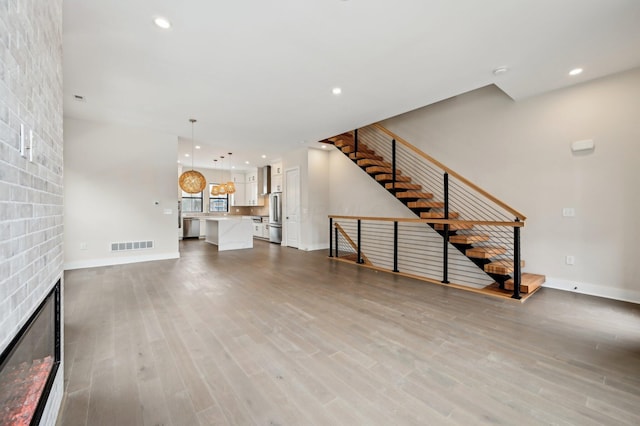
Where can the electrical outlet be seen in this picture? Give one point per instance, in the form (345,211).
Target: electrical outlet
(83,246)
(568,212)
(569,260)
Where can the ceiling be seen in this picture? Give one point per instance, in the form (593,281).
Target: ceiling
(258,75)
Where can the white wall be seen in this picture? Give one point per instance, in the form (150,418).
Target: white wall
(114,176)
(354,193)
(314,215)
(520,152)
(314,196)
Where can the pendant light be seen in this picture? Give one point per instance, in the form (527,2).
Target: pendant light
(222,188)
(231,187)
(192,181)
(215,189)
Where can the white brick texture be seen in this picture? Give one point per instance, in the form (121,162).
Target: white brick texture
(31,222)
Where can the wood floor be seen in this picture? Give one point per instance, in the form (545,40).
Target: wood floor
(277,336)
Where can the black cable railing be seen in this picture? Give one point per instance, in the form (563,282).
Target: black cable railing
(460,216)
(408,247)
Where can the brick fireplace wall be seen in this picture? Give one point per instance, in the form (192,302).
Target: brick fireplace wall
(31,221)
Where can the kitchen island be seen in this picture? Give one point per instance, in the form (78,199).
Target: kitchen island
(229,233)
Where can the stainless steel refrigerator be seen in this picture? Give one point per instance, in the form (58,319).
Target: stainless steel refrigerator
(275,217)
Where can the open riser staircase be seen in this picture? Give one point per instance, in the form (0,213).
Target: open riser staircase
(477,241)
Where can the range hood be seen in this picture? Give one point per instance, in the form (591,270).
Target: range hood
(264,180)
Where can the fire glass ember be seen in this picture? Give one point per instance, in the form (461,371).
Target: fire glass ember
(29,364)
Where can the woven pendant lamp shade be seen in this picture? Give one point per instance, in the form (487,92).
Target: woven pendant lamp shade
(215,190)
(231,187)
(192,182)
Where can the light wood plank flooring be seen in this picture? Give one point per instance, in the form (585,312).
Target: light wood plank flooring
(277,336)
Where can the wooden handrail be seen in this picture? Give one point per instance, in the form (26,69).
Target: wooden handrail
(449,171)
(351,243)
(440,221)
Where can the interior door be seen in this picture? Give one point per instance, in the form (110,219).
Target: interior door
(292,207)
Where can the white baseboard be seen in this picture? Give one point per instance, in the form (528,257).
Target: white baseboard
(110,261)
(624,295)
(316,247)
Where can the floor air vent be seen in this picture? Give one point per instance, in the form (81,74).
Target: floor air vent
(132,245)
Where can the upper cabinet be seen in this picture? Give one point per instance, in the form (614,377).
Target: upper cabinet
(238,177)
(276,177)
(247,189)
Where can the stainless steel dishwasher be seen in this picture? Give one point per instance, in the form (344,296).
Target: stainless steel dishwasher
(190,227)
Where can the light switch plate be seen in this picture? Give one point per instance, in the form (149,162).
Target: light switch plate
(570,260)
(568,212)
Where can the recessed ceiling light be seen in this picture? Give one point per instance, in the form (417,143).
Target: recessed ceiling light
(186,155)
(246,162)
(263,156)
(162,22)
(197,146)
(233,167)
(336,91)
(575,71)
(324,147)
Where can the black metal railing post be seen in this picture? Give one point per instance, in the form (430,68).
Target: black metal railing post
(393,164)
(330,237)
(355,144)
(395,246)
(445,244)
(359,259)
(517,275)
(336,232)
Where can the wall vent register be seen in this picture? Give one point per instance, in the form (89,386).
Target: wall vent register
(132,245)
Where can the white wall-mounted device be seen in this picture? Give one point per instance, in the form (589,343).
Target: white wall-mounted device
(583,145)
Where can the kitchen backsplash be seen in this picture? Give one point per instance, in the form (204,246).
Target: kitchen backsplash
(237,211)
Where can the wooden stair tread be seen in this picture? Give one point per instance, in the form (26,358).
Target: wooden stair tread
(371,162)
(360,155)
(389,177)
(528,282)
(468,238)
(402,185)
(346,142)
(374,170)
(453,226)
(485,252)
(425,204)
(501,267)
(348,149)
(414,195)
(438,215)
(343,136)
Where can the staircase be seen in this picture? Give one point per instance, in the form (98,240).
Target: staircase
(474,237)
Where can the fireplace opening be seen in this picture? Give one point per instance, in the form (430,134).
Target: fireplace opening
(29,364)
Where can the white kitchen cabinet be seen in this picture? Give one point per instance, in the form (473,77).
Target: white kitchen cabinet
(276,177)
(265,230)
(276,169)
(257,230)
(276,183)
(239,198)
(238,177)
(253,199)
(252,176)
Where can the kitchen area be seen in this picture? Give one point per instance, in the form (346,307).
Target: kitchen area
(231,221)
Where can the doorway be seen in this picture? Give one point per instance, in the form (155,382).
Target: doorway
(292,207)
